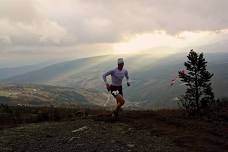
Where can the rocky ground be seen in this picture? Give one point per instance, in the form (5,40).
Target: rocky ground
(135,131)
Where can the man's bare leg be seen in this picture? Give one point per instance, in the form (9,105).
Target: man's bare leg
(120,102)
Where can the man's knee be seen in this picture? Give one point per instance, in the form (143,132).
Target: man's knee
(120,99)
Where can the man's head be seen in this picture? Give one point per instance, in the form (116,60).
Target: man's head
(120,63)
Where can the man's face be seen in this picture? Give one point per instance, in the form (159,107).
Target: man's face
(120,66)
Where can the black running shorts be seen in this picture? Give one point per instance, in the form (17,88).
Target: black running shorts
(116,90)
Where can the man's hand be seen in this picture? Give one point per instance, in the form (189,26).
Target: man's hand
(128,84)
(108,86)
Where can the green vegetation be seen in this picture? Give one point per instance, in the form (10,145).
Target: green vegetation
(25,114)
(199,95)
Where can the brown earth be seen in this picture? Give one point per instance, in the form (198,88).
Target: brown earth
(164,130)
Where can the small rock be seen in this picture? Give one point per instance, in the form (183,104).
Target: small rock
(72,138)
(80,129)
(130,145)
(130,129)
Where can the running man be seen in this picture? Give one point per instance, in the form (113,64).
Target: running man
(117,76)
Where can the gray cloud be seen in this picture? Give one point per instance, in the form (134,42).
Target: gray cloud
(18,11)
(107,21)
(50,24)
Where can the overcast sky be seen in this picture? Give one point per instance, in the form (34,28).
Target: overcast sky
(38,30)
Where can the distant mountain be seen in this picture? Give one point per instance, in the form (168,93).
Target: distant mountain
(150,76)
(43,95)
(8,72)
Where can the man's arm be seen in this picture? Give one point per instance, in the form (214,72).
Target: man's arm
(107,74)
(127,77)
(105,79)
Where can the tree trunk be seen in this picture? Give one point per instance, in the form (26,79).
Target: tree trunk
(197,92)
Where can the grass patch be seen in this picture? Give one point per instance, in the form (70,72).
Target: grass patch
(25,114)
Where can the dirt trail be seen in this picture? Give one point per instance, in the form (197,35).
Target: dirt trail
(135,131)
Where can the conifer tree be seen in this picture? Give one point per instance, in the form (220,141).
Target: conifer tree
(199,94)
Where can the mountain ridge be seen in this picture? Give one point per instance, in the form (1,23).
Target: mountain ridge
(150,76)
